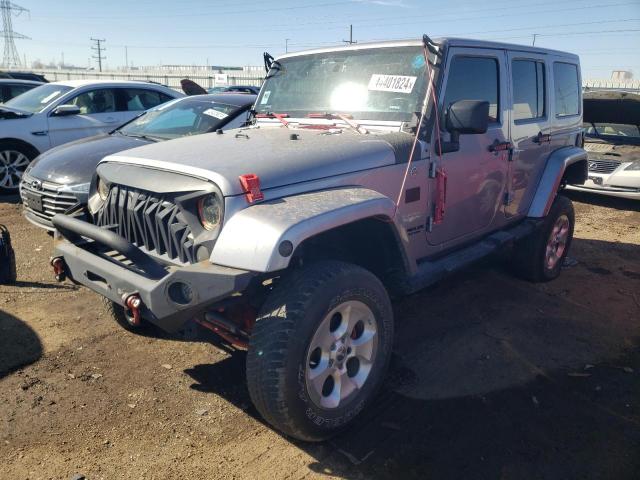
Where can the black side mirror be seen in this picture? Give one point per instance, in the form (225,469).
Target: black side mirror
(465,117)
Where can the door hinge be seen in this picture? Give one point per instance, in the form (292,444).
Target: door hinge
(430,223)
(432,170)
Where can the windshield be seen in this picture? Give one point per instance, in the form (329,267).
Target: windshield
(611,130)
(189,116)
(372,84)
(38,98)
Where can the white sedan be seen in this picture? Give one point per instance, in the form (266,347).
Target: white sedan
(60,112)
(612,140)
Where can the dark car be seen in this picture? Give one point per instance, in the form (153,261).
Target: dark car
(250,89)
(58,180)
(35,77)
(10,88)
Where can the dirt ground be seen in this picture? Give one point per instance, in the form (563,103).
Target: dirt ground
(492,377)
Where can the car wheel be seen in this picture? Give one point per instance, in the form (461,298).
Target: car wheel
(14,160)
(320,349)
(539,257)
(118,313)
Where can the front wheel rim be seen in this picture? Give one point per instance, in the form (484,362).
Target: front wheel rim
(341,355)
(12,165)
(557,242)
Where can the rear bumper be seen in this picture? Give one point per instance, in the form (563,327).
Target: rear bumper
(86,265)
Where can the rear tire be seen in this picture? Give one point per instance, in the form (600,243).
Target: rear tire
(14,160)
(539,257)
(320,349)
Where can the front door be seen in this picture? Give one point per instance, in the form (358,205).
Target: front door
(98,114)
(476,176)
(529,128)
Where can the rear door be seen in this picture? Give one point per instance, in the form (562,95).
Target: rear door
(530,128)
(133,101)
(476,176)
(98,114)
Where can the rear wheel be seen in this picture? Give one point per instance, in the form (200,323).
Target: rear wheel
(320,348)
(14,160)
(539,257)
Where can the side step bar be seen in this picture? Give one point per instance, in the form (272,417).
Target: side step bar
(432,271)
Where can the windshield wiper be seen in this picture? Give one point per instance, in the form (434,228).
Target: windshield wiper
(339,116)
(13,111)
(279,116)
(143,137)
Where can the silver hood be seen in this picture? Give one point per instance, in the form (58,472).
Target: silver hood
(279,156)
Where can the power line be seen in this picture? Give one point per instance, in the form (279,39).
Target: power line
(11,57)
(99,49)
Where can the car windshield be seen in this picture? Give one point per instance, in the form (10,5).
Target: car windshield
(369,84)
(187,116)
(38,98)
(611,130)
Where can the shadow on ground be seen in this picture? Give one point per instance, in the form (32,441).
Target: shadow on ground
(603,200)
(19,344)
(492,378)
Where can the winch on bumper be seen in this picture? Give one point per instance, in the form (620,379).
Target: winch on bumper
(169,295)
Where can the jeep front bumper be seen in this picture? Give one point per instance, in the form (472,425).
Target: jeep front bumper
(88,262)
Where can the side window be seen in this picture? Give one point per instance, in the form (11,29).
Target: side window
(567,89)
(528,89)
(473,78)
(95,101)
(138,99)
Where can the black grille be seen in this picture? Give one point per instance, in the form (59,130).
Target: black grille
(603,166)
(149,221)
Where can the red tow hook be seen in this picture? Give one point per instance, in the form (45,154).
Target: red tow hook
(59,268)
(133,303)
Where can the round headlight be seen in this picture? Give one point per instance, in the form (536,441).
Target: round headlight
(103,189)
(210,211)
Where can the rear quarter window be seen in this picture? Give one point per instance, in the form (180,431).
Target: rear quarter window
(566,89)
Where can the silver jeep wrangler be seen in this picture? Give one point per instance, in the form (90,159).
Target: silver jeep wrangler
(368,172)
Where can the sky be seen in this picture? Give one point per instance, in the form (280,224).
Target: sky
(605,33)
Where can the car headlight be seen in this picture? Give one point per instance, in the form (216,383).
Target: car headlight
(80,188)
(103,189)
(210,211)
(634,166)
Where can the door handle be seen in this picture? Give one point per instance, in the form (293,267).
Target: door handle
(497,146)
(542,138)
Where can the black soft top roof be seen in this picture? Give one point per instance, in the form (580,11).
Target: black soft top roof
(612,107)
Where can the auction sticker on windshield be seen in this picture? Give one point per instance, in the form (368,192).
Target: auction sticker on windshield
(215,113)
(392,83)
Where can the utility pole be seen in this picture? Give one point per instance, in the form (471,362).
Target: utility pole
(126,58)
(534,38)
(11,57)
(286,45)
(351,41)
(98,48)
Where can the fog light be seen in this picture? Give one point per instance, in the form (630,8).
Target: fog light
(181,293)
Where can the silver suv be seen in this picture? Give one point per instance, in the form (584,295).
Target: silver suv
(370,171)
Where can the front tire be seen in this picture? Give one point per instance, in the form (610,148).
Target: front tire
(320,349)
(122,317)
(539,257)
(14,160)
